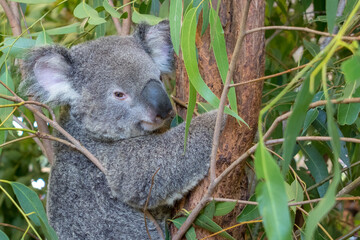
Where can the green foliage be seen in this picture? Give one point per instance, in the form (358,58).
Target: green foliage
(331,73)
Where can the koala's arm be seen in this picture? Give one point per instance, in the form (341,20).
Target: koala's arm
(130,178)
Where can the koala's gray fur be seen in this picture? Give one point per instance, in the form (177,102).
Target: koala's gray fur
(83,202)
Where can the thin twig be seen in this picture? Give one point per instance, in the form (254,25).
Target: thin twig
(312,105)
(331,176)
(126,23)
(267,77)
(218,123)
(289,204)
(350,187)
(19,229)
(320,226)
(183,104)
(17,140)
(146,212)
(303,29)
(349,234)
(116,21)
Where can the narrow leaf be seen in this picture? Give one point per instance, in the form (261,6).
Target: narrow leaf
(205,222)
(210,210)
(164,9)
(110,9)
(295,193)
(348,113)
(8,81)
(250,212)
(350,68)
(17,48)
(175,23)
(43,39)
(296,121)
(190,111)
(271,196)
(223,208)
(149,19)
(331,8)
(190,234)
(219,48)
(189,54)
(206,14)
(317,166)
(83,10)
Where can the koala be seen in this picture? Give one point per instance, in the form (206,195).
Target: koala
(113,101)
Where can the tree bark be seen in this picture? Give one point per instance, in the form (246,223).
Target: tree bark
(235,139)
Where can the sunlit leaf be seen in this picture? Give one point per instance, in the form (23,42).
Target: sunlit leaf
(17,48)
(295,193)
(271,196)
(210,209)
(149,19)
(83,10)
(207,223)
(110,9)
(223,208)
(175,23)
(350,68)
(348,113)
(33,1)
(43,39)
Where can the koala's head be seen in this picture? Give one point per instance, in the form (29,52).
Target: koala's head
(112,85)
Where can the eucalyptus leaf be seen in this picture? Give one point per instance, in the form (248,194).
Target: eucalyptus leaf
(33,1)
(3,236)
(17,47)
(43,39)
(175,24)
(250,212)
(223,208)
(190,234)
(331,9)
(149,19)
(110,9)
(207,223)
(271,196)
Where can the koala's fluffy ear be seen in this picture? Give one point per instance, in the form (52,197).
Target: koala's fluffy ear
(48,73)
(157,43)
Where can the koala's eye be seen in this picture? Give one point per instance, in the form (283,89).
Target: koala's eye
(119,95)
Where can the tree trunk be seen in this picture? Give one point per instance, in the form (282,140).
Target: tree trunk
(235,139)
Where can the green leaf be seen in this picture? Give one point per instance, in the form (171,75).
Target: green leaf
(110,9)
(190,111)
(83,10)
(317,166)
(3,236)
(164,9)
(43,39)
(311,115)
(327,203)
(6,78)
(155,7)
(350,68)
(33,1)
(176,121)
(348,113)
(189,54)
(149,19)
(296,120)
(175,23)
(295,193)
(101,28)
(72,28)
(313,48)
(206,14)
(223,208)
(190,234)
(3,135)
(30,203)
(204,107)
(331,8)
(207,223)
(271,196)
(219,48)
(17,48)
(210,210)
(250,212)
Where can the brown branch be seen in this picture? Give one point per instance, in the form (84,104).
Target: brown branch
(14,24)
(116,21)
(303,29)
(218,124)
(17,140)
(126,23)
(267,77)
(19,229)
(183,104)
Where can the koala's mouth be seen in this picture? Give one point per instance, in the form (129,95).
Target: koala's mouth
(152,126)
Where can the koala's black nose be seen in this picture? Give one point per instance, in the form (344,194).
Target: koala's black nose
(155,95)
